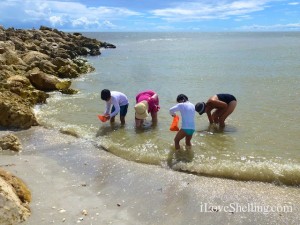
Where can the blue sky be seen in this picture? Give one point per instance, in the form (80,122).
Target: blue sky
(152,15)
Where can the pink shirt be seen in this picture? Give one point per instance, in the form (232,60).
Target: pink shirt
(153,103)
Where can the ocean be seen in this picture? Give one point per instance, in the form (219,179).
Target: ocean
(261,139)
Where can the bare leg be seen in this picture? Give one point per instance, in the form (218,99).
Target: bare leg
(229,110)
(180,135)
(154,116)
(139,123)
(188,139)
(217,113)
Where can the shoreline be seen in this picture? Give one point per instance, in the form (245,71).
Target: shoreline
(74,182)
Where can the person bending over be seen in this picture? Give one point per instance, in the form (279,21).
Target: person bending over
(117,102)
(222,104)
(146,102)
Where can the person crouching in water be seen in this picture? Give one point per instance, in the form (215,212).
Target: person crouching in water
(187,111)
(146,102)
(223,104)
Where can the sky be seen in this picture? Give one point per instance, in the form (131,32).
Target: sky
(152,15)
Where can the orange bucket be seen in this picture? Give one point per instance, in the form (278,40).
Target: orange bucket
(174,125)
(102,118)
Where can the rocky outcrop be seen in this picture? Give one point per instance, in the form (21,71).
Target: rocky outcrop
(14,199)
(34,62)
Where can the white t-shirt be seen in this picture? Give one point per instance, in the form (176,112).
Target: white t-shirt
(187,111)
(117,99)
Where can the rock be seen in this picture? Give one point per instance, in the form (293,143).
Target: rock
(7,45)
(15,112)
(107,45)
(14,199)
(69,131)
(43,57)
(45,28)
(31,95)
(18,81)
(69,91)
(59,62)
(34,56)
(21,86)
(68,71)
(10,142)
(10,57)
(18,184)
(19,44)
(46,82)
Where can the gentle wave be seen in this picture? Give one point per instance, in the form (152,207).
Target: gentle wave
(287,174)
(277,172)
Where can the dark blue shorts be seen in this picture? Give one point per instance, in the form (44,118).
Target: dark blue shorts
(123,110)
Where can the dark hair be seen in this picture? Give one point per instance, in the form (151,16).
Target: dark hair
(105,94)
(182,98)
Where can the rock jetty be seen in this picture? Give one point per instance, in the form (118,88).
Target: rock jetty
(33,63)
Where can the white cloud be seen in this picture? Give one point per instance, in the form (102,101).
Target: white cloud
(211,10)
(69,13)
(108,24)
(85,22)
(54,20)
(294,3)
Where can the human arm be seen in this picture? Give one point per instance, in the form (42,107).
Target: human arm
(173,110)
(208,110)
(116,105)
(107,107)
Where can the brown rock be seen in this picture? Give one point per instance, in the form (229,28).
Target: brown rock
(10,142)
(15,112)
(46,82)
(16,196)
(34,56)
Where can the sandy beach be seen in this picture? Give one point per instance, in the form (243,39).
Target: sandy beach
(72,181)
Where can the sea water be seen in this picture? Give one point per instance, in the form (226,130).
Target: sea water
(261,139)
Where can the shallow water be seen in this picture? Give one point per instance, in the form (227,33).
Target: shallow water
(261,139)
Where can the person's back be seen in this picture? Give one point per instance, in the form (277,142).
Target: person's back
(187,110)
(119,97)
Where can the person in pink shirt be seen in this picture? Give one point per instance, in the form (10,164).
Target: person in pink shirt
(146,102)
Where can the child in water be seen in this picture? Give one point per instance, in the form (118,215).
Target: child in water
(146,102)
(187,111)
(119,103)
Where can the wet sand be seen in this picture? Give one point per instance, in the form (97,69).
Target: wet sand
(72,181)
